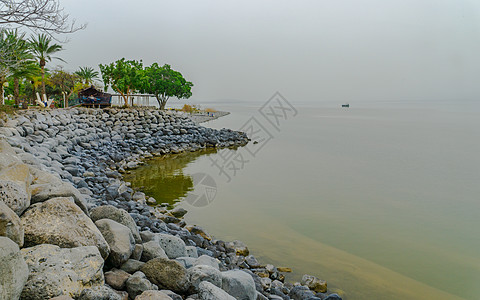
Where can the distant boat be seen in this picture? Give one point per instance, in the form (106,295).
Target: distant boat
(346,105)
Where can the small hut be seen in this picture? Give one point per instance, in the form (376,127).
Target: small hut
(93,97)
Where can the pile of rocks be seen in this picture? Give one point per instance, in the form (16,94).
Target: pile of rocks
(70,227)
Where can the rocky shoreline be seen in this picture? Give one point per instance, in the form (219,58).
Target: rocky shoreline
(70,227)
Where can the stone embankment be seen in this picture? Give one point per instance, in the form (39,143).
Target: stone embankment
(71,228)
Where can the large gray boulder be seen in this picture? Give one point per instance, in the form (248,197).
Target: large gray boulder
(208,291)
(8,156)
(61,222)
(137,284)
(118,215)
(10,225)
(239,284)
(15,187)
(14,196)
(152,250)
(120,240)
(172,245)
(200,273)
(55,271)
(47,186)
(167,274)
(13,270)
(207,261)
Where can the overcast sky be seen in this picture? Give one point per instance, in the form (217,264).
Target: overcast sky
(324,50)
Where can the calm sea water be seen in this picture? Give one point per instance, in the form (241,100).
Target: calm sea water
(382,200)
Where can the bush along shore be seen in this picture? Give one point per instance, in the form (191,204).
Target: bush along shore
(70,227)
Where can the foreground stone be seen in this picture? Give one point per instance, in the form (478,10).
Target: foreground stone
(315,284)
(208,291)
(118,215)
(173,246)
(239,284)
(14,196)
(116,278)
(198,274)
(120,240)
(10,225)
(153,295)
(100,293)
(61,222)
(13,270)
(167,274)
(137,284)
(56,271)
(152,250)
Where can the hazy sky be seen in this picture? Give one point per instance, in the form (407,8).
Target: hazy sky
(324,50)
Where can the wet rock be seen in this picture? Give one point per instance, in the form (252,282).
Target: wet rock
(252,261)
(238,247)
(314,284)
(60,222)
(178,212)
(300,293)
(120,240)
(13,270)
(55,271)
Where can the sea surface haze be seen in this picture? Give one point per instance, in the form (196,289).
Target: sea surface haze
(380,199)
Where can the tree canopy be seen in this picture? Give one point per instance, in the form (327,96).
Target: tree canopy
(124,76)
(128,76)
(164,82)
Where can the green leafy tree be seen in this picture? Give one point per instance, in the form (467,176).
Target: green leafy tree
(64,82)
(164,82)
(124,76)
(87,74)
(43,49)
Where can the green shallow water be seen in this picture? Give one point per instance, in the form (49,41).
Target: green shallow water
(382,201)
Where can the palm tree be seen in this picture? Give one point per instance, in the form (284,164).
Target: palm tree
(88,74)
(23,65)
(17,61)
(42,50)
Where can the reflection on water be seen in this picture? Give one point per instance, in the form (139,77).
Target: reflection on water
(163,177)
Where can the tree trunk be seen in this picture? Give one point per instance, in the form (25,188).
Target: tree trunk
(162,101)
(16,91)
(43,82)
(1,93)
